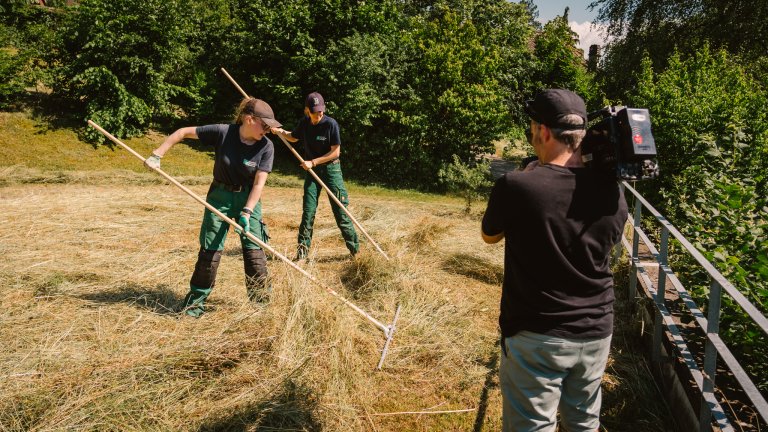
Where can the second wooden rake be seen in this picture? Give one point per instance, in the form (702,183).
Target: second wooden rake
(389,330)
(314,175)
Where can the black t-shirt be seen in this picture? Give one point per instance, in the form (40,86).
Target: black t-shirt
(235,162)
(559,227)
(318,138)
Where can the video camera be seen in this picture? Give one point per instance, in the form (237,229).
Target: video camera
(620,144)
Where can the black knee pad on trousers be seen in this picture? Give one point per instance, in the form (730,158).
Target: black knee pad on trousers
(256,277)
(205,268)
(255,263)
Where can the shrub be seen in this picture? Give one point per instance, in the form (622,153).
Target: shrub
(110,105)
(125,62)
(470,181)
(711,130)
(10,83)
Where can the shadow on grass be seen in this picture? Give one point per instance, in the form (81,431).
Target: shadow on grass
(292,408)
(474,268)
(160,300)
(50,112)
(490,383)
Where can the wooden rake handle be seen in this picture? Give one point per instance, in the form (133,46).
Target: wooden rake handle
(315,176)
(250,236)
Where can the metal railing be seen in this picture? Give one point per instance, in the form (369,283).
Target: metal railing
(714,346)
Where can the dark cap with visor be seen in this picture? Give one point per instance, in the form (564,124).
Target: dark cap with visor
(262,110)
(549,108)
(315,102)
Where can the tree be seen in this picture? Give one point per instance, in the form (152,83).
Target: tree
(411,82)
(124,63)
(738,26)
(471,181)
(451,101)
(26,33)
(426,87)
(659,27)
(533,13)
(711,129)
(707,93)
(10,83)
(560,64)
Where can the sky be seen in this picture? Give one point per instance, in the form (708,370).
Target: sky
(579,18)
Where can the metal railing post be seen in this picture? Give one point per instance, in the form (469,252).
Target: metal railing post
(659,298)
(635,248)
(710,356)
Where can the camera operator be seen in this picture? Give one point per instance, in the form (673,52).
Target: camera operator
(560,221)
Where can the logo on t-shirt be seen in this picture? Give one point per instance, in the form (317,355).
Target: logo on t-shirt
(251,164)
(321,138)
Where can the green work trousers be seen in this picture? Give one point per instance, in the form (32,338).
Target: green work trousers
(213,233)
(214,230)
(330,174)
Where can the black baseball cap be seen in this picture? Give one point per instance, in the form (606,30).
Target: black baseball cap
(550,106)
(315,102)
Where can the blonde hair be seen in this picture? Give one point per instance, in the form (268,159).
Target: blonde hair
(247,107)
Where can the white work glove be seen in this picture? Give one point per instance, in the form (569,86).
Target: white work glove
(152,162)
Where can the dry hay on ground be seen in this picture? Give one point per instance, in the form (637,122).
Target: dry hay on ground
(92,338)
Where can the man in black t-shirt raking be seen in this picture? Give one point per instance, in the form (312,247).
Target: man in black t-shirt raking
(322,148)
(560,221)
(243,160)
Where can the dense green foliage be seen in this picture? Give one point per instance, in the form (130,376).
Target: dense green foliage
(10,85)
(123,62)
(702,72)
(561,65)
(711,128)
(411,83)
(25,37)
(659,27)
(448,102)
(421,87)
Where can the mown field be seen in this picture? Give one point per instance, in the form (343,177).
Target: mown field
(97,254)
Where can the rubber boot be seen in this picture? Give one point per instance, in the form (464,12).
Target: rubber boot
(301,252)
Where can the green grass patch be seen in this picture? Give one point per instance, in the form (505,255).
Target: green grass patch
(33,145)
(39,154)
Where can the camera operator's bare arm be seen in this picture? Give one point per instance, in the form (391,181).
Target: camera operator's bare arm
(491,239)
